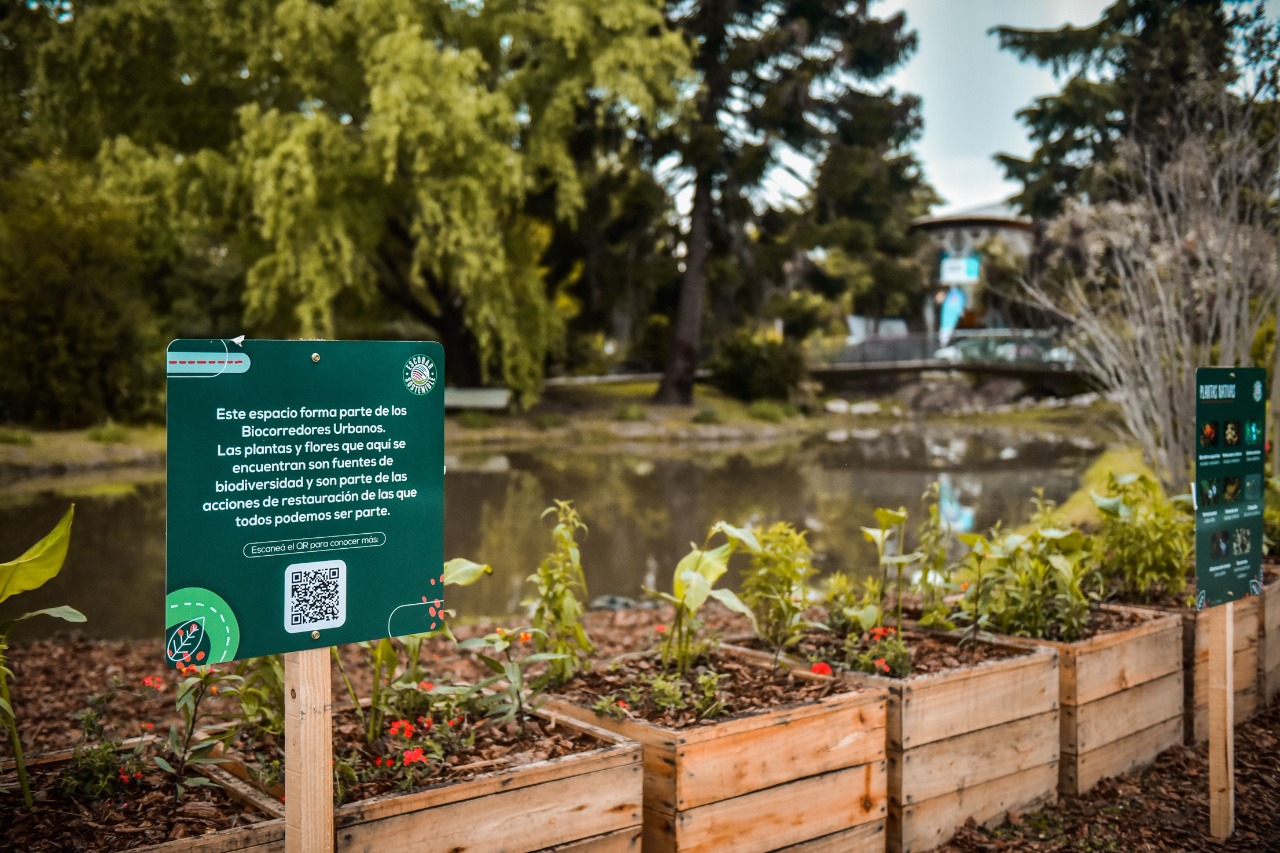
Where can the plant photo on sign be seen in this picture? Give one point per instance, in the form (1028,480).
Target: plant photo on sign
(41,562)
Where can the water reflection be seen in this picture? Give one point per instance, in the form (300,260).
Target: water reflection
(642,508)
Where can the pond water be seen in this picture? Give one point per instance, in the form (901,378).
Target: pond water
(643,505)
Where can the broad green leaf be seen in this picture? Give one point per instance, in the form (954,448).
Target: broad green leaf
(972,540)
(41,562)
(697,588)
(877,537)
(6,708)
(731,601)
(739,534)
(64,612)
(890,517)
(162,764)
(463,572)
(1113,506)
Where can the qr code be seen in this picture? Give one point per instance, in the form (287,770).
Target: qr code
(315,595)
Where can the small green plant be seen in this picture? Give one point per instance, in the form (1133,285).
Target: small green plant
(880,651)
(1040,584)
(890,523)
(1145,542)
(41,562)
(261,694)
(14,435)
(851,609)
(183,751)
(389,679)
(776,586)
(511,693)
(692,584)
(99,770)
(109,433)
(670,693)
(707,415)
(770,411)
(543,421)
(975,577)
(609,705)
(561,586)
(472,419)
(633,412)
(934,584)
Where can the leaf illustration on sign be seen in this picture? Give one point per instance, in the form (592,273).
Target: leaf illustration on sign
(184,639)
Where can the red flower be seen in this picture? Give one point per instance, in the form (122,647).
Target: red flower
(622,704)
(412,756)
(880,664)
(425,685)
(661,629)
(821,668)
(155,682)
(378,761)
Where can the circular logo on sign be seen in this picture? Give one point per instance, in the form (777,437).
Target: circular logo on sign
(1257,392)
(419,375)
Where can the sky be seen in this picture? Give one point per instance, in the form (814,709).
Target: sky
(972,90)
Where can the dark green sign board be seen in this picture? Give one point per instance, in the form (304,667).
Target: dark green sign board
(305,495)
(1231,405)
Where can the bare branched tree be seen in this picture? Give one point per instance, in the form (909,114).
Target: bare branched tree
(1181,271)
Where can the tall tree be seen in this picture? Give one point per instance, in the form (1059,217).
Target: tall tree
(773,77)
(1128,75)
(417,152)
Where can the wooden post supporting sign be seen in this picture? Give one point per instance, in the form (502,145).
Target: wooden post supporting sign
(1230,429)
(308,743)
(1222,760)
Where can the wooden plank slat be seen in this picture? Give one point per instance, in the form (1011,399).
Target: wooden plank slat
(1112,718)
(526,818)
(1269,643)
(868,838)
(266,837)
(966,761)
(1124,659)
(1079,773)
(844,735)
(1222,763)
(937,707)
(927,824)
(619,841)
(768,820)
(1244,673)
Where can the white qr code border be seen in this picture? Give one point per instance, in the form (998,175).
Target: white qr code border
(335,578)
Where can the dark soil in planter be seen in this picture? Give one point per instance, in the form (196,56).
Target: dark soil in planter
(382,768)
(1165,807)
(930,652)
(145,814)
(745,688)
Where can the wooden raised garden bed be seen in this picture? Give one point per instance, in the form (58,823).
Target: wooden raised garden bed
(588,802)
(1121,694)
(1195,662)
(810,777)
(1269,640)
(970,743)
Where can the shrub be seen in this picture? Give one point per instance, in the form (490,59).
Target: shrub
(109,433)
(707,416)
(630,412)
(753,366)
(13,435)
(770,411)
(1145,542)
(476,420)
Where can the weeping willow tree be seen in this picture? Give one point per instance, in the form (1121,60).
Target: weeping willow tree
(376,151)
(1183,269)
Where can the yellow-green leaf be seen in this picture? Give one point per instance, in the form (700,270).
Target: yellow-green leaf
(463,572)
(41,562)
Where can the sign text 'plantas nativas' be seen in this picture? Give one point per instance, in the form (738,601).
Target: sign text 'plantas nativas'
(1231,407)
(305,495)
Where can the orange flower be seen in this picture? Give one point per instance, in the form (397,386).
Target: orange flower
(525,636)
(964,586)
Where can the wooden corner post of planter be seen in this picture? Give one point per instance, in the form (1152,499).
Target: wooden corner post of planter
(308,743)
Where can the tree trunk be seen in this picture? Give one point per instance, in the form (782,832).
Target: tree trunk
(686,340)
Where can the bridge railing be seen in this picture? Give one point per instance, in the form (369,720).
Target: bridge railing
(1014,346)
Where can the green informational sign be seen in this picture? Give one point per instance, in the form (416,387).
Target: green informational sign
(1231,405)
(305,495)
